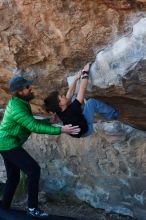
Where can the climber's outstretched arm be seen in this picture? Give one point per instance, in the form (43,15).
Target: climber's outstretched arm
(84,83)
(72,88)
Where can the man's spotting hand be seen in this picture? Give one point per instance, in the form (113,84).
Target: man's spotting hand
(69,129)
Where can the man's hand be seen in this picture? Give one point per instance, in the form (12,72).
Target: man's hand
(69,129)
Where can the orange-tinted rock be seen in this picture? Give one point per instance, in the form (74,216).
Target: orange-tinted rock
(54,38)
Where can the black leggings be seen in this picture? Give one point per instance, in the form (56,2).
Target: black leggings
(15,160)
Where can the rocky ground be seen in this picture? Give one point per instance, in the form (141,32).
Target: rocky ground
(65,206)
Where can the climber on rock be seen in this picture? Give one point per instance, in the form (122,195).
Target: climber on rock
(69,109)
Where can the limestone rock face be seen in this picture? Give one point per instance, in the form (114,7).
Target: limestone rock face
(53,39)
(107,169)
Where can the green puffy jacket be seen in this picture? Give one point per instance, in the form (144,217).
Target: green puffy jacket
(18,123)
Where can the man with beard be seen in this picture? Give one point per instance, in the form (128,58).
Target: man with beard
(17,124)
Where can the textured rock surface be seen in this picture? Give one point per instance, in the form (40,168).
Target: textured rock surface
(107,170)
(52,39)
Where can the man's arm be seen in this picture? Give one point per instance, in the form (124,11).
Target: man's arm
(72,88)
(84,83)
(22,115)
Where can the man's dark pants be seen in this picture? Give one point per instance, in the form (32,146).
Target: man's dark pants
(15,160)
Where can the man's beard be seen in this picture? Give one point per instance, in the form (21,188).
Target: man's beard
(28,97)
